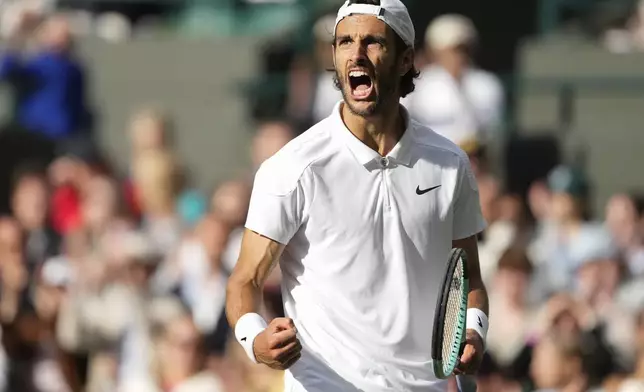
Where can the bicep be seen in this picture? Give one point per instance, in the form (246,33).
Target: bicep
(257,258)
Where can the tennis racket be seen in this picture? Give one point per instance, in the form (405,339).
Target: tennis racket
(449,321)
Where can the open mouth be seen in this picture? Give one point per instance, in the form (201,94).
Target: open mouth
(361,84)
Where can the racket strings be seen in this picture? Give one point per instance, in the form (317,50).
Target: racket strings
(454,319)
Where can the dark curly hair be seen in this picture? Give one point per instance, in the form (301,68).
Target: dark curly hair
(407,80)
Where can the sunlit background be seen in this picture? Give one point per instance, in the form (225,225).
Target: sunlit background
(131,130)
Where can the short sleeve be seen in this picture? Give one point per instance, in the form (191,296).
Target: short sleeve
(276,203)
(468,218)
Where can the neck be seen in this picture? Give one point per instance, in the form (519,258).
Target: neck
(379,132)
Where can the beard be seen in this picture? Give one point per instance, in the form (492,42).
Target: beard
(385,89)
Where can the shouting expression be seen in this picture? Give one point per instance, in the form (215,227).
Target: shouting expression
(368,65)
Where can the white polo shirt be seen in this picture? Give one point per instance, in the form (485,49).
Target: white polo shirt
(367,244)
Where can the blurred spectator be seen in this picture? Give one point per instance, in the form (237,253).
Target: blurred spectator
(511,315)
(312,93)
(624,217)
(552,250)
(202,281)
(558,364)
(150,129)
(102,209)
(230,203)
(14,276)
(179,364)
(270,138)
(156,180)
(630,37)
(49,85)
(108,312)
(539,198)
(30,207)
(113,27)
(38,364)
(454,97)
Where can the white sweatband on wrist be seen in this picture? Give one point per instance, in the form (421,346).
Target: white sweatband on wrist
(247,328)
(477,320)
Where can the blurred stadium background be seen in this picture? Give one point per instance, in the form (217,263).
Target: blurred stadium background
(130,131)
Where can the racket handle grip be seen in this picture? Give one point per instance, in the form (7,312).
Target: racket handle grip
(466,383)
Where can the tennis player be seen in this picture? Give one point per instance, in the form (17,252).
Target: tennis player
(361,211)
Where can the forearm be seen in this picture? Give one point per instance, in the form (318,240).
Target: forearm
(242,296)
(477,297)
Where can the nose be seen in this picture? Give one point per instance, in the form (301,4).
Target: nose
(359,55)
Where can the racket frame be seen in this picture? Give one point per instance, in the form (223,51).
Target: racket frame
(441,309)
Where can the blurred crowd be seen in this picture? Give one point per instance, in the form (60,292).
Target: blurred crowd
(115,281)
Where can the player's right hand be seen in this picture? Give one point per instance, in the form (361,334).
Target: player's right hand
(278,346)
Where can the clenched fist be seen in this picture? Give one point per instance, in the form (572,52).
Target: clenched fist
(278,346)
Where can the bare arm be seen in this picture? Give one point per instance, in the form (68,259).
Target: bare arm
(257,258)
(477,297)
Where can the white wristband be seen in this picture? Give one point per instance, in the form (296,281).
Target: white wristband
(477,320)
(247,328)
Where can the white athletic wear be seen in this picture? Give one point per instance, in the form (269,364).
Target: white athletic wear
(368,239)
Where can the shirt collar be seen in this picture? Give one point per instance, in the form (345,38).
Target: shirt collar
(401,153)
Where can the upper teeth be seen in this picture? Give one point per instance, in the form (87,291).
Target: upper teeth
(356,74)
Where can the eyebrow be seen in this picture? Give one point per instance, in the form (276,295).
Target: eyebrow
(373,37)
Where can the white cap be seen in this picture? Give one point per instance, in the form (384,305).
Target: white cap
(450,30)
(392,12)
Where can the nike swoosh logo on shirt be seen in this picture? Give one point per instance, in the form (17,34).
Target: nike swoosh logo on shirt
(243,339)
(422,192)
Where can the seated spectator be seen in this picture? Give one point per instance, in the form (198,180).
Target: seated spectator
(454,97)
(270,138)
(30,206)
(624,217)
(179,362)
(156,176)
(229,202)
(70,174)
(551,250)
(202,280)
(558,364)
(511,316)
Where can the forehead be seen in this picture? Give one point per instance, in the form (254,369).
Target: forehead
(361,25)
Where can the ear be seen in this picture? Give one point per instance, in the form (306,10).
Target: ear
(407,61)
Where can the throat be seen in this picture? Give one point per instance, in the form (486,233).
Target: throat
(380,133)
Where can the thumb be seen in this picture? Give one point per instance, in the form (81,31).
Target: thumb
(468,353)
(283,323)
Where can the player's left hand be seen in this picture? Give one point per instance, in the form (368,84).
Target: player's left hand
(472,353)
